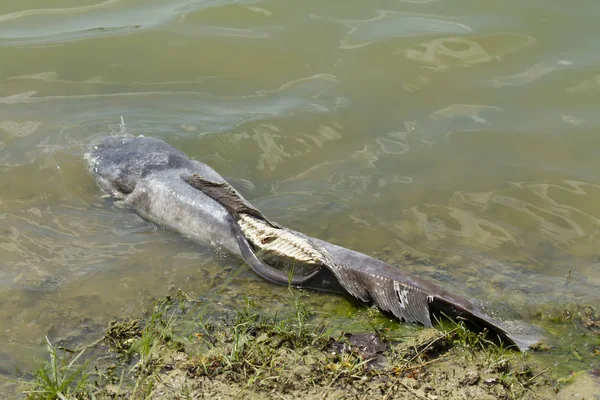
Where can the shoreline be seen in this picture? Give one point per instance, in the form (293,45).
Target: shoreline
(176,351)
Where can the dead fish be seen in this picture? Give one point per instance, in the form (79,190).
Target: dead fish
(166,187)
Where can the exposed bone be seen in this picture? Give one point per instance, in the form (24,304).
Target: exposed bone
(278,242)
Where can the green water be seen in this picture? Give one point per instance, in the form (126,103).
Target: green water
(463,132)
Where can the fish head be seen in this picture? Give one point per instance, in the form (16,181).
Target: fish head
(119,162)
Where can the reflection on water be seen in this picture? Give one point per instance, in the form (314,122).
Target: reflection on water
(456,139)
(389,24)
(111,17)
(448,51)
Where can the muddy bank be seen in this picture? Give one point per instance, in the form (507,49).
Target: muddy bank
(178,350)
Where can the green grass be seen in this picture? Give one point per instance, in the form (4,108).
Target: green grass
(253,346)
(60,378)
(144,347)
(510,366)
(287,351)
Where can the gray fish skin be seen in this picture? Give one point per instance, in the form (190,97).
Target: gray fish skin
(147,174)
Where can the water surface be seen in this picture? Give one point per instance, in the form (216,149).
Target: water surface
(458,139)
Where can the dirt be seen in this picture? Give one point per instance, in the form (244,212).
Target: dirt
(455,374)
(446,380)
(174,352)
(428,365)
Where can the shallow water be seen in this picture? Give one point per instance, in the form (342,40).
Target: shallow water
(462,132)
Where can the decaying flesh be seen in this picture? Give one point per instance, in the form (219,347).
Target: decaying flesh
(278,242)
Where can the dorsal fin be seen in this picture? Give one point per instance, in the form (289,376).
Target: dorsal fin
(224,194)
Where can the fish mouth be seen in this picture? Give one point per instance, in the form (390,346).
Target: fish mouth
(93,156)
(90,161)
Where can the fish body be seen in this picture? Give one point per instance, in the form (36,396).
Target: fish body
(166,187)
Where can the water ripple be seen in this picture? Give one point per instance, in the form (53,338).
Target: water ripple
(445,52)
(112,17)
(392,24)
(75,116)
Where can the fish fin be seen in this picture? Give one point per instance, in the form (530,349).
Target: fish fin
(524,341)
(411,304)
(519,333)
(243,186)
(515,333)
(406,302)
(413,300)
(224,194)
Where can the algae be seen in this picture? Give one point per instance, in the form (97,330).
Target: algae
(181,350)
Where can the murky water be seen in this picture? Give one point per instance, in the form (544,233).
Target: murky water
(463,132)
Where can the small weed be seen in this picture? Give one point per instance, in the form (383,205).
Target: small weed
(287,352)
(261,350)
(60,378)
(144,345)
(458,334)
